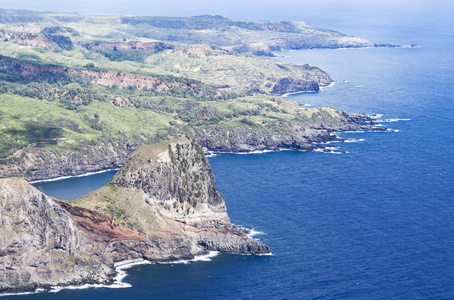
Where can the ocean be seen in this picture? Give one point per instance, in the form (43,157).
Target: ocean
(375,222)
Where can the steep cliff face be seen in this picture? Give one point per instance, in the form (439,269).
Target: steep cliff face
(167,193)
(35,163)
(172,177)
(40,246)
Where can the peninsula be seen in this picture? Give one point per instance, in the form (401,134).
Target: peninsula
(162,205)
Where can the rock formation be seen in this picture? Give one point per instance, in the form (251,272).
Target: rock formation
(162,205)
(40,245)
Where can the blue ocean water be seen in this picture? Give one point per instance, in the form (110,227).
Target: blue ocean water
(373,223)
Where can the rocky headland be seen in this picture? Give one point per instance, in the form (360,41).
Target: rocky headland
(162,205)
(296,133)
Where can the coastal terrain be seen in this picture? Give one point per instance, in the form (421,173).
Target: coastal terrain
(162,205)
(87,93)
(79,93)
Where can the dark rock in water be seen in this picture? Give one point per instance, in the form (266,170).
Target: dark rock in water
(360,117)
(162,205)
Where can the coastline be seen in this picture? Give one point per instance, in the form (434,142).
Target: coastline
(74,176)
(357,123)
(121,274)
(317,147)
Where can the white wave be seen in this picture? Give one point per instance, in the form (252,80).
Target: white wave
(118,283)
(253,152)
(332,151)
(205,257)
(297,93)
(257,152)
(327,86)
(396,120)
(354,131)
(210,154)
(353,140)
(377,116)
(332,148)
(253,232)
(81,175)
(120,267)
(57,289)
(378,125)
(23,293)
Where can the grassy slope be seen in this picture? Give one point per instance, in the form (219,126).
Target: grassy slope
(217,69)
(20,114)
(29,121)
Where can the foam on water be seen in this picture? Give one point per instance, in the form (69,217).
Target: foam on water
(253,152)
(22,294)
(118,283)
(354,140)
(297,93)
(256,152)
(327,86)
(205,257)
(251,232)
(120,267)
(81,175)
(210,154)
(395,120)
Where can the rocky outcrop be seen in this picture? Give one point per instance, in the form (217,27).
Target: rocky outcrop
(294,134)
(40,246)
(163,205)
(170,188)
(292,85)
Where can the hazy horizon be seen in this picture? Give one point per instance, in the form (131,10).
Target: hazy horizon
(271,10)
(322,13)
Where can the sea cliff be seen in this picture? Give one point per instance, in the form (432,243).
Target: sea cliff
(280,125)
(162,205)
